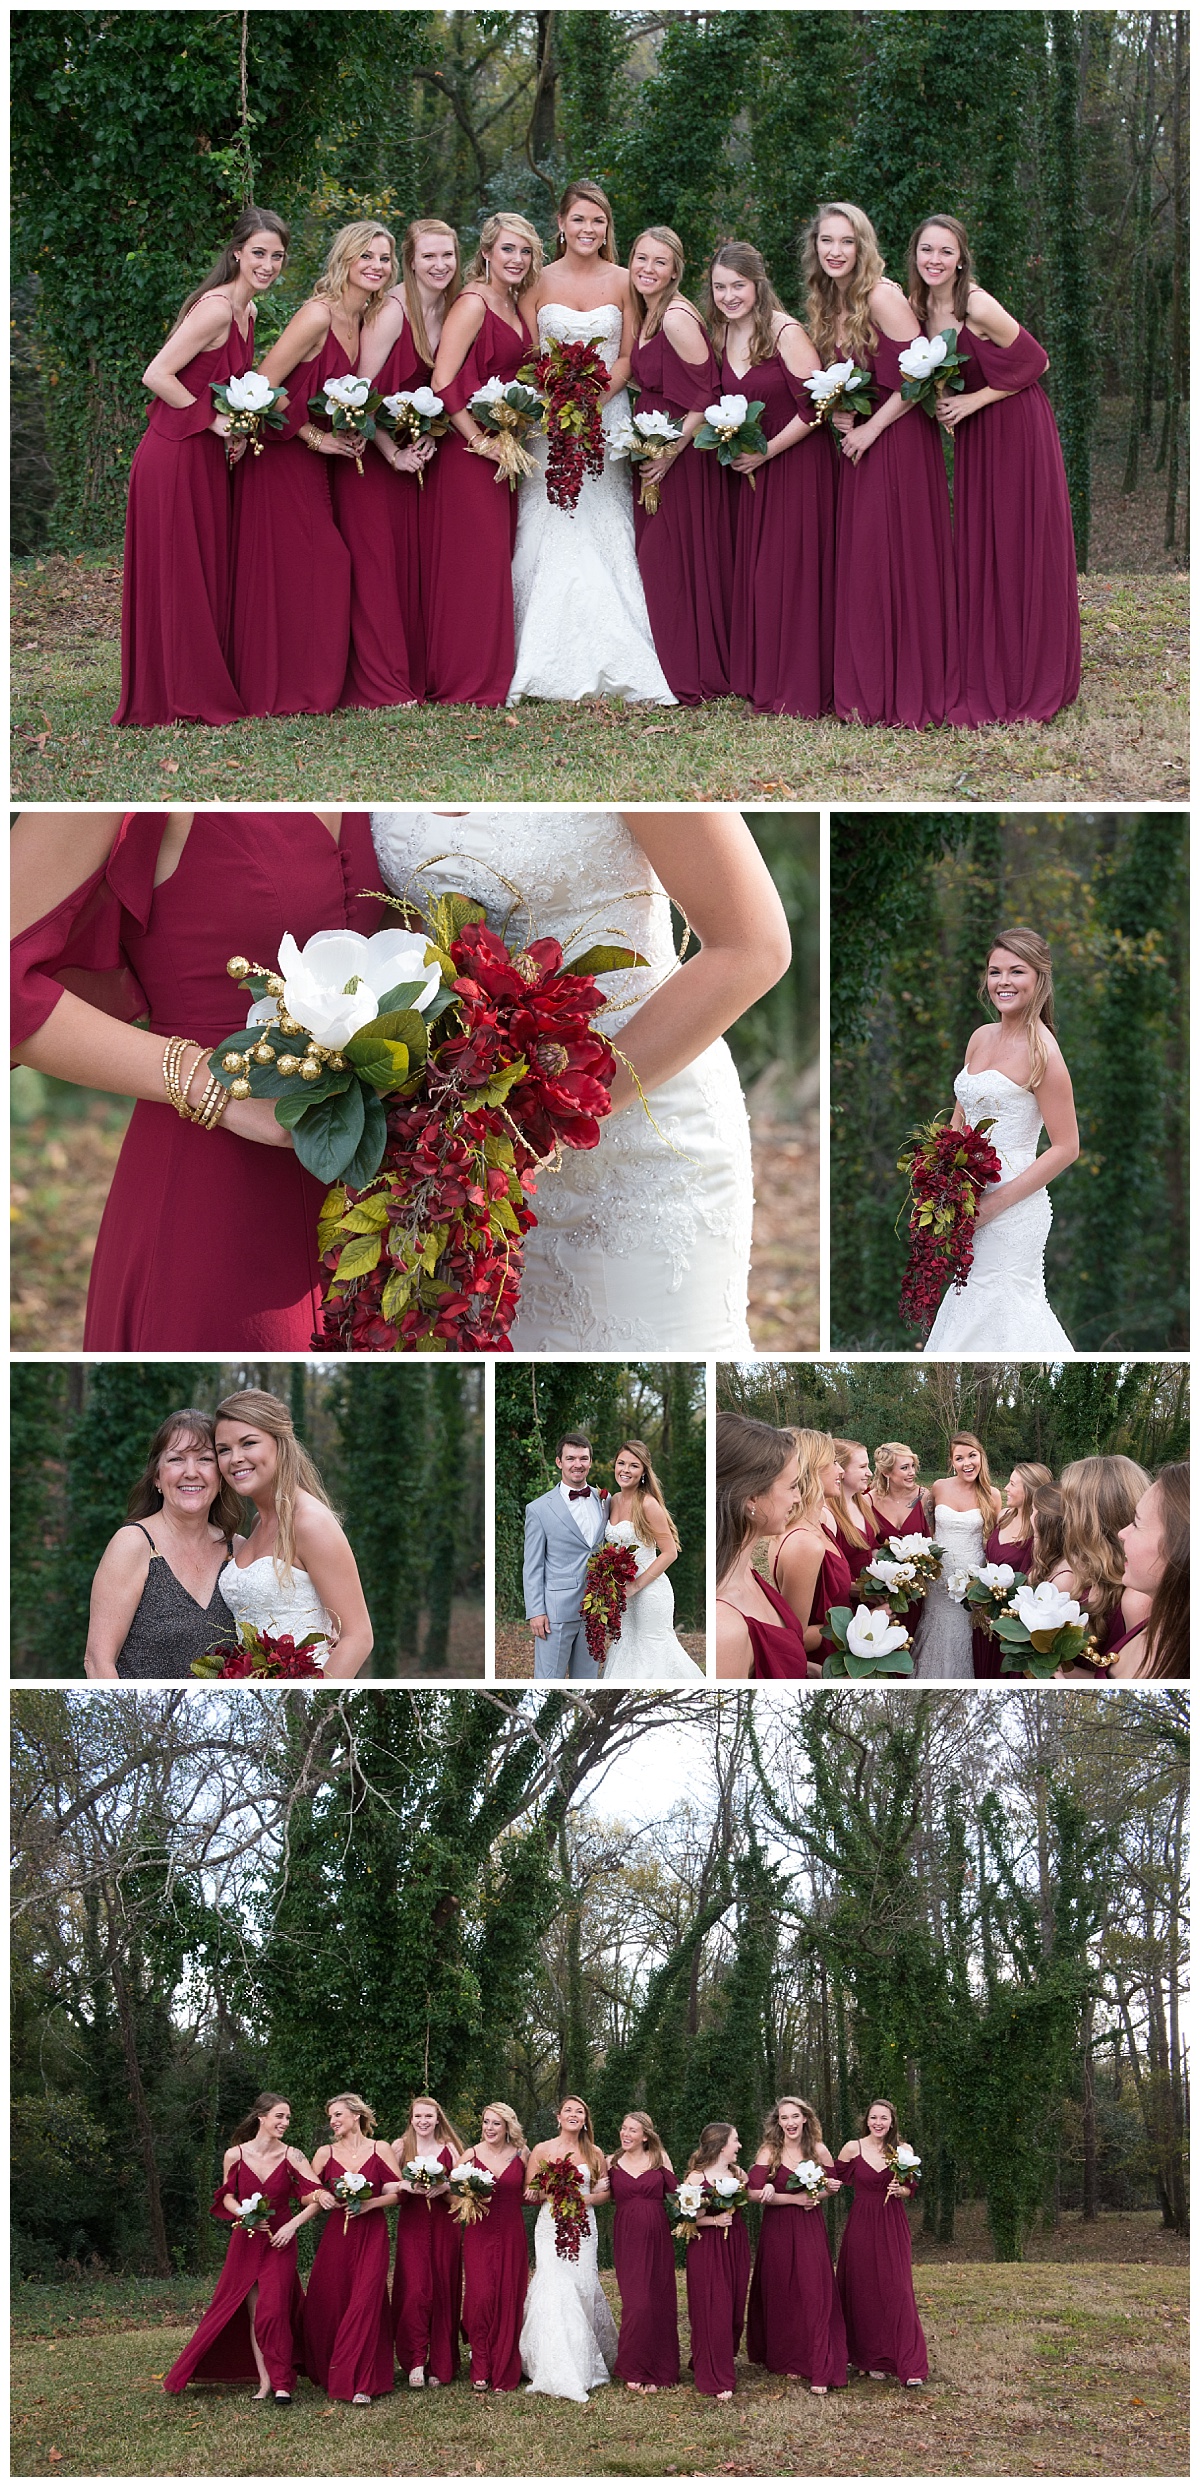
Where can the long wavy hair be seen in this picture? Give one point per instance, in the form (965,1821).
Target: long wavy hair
(364,2116)
(587,2146)
(1099,1496)
(196,1429)
(591,191)
(649,1485)
(1168,1629)
(1048,1522)
(652,2142)
(294,1474)
(885,1460)
(709,2147)
(512,2122)
(1032,1474)
(750,1456)
(489,233)
(266,2100)
(225,266)
(443,2131)
(774,2137)
(828,309)
(964,277)
(982,1488)
(815,1451)
(845,1506)
(414,233)
(1033,952)
(745,261)
(651,321)
(340,257)
(891,2138)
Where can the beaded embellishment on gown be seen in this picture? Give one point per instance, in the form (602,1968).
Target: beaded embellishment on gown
(1003,1309)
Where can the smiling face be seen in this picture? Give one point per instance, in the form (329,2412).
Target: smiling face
(830,1476)
(632,2137)
(837,248)
(573,1463)
(772,1509)
(343,2123)
(652,268)
(186,1475)
(879,2120)
(937,257)
(247,1457)
(734,295)
(1144,1544)
(1011,984)
(584,227)
(493,2130)
(964,1463)
(259,260)
(433,261)
(572,2118)
(729,2150)
(628,1471)
(374,267)
(424,2121)
(791,2119)
(273,2126)
(1014,1492)
(511,257)
(902,1480)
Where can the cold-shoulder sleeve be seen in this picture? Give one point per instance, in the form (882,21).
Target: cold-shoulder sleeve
(758,2177)
(78,947)
(1015,366)
(690,385)
(459,391)
(886,365)
(217,2207)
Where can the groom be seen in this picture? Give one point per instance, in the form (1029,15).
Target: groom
(561,1528)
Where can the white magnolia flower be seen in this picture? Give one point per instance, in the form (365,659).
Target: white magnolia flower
(726,2184)
(728,414)
(1046,1609)
(906,2159)
(922,357)
(905,1548)
(823,384)
(356,2183)
(871,1635)
(660,426)
(249,392)
(956,1584)
(317,980)
(893,1575)
(426,2163)
(467,2174)
(691,2197)
(348,392)
(811,2173)
(491,391)
(254,2202)
(620,440)
(423,400)
(994,1575)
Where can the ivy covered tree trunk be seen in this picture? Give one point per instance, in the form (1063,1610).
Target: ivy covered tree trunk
(1072,345)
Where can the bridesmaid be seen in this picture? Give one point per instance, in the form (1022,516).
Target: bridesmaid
(179,524)
(893,1496)
(808,1566)
(757,1475)
(639,2175)
(1099,1499)
(427,2280)
(496,2257)
(1010,1541)
(467,548)
(347,2330)
(254,2324)
(1014,544)
(718,2272)
(382,518)
(794,2324)
(685,551)
(895,659)
(781,623)
(291,568)
(854,1524)
(874,2272)
(1157,1548)
(1046,1525)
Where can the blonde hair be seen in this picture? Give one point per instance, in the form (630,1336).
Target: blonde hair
(489,233)
(649,1485)
(512,2127)
(443,2130)
(357,2107)
(652,2142)
(749,263)
(851,1517)
(1032,1474)
(1099,1496)
(776,2139)
(340,257)
(591,191)
(1033,952)
(885,1460)
(414,233)
(827,308)
(815,1452)
(646,318)
(295,1473)
(982,1488)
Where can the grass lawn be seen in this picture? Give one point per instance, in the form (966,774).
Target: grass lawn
(1125,740)
(1038,2368)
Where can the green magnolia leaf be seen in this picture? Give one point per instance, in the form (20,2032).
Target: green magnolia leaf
(384,1065)
(327,1137)
(835,1664)
(838,1619)
(602,961)
(299,1095)
(368,1156)
(401,997)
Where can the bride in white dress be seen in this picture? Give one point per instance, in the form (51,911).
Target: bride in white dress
(1015,1075)
(295,1571)
(963,1509)
(581,622)
(568,2336)
(645,1650)
(643,1243)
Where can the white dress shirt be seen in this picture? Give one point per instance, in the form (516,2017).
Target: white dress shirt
(586,1513)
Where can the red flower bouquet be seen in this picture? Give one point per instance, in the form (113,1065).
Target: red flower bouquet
(610,1570)
(562,2184)
(573,382)
(947,1172)
(259,1655)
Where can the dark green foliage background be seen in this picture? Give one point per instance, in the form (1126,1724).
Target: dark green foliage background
(399,1447)
(785,1026)
(661,1405)
(914,903)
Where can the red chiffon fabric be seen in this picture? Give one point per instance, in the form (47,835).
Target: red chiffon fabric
(376,512)
(985,1649)
(220,2349)
(781,625)
(858,1557)
(495,2278)
(208,1242)
(686,550)
(291,568)
(832,1588)
(175,598)
(644,2259)
(427,2282)
(1014,545)
(718,2275)
(895,657)
(778,1648)
(916,1525)
(347,2320)
(794,2321)
(874,2276)
(467,543)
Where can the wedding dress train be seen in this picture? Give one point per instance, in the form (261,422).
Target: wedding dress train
(646,1650)
(568,2337)
(1003,1309)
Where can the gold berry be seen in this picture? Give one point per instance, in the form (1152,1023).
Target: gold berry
(237,967)
(232,1062)
(264,1053)
(288,1063)
(310,1070)
(240,1088)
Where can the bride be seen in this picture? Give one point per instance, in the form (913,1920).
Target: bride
(1015,1075)
(963,1509)
(568,2337)
(643,1243)
(581,621)
(294,1572)
(645,1650)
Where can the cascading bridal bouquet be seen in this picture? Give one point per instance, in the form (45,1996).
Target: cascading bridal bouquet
(572,382)
(990,1592)
(611,1571)
(842,384)
(563,2182)
(254,2215)
(261,1656)
(905,1575)
(470,2192)
(247,402)
(1041,1630)
(948,1172)
(350,405)
(423,2172)
(353,2191)
(732,428)
(411,415)
(645,437)
(905,2166)
(866,1642)
(510,411)
(808,2177)
(932,366)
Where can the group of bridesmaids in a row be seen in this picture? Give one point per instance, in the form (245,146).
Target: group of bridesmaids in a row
(800,1515)
(299,585)
(804,2320)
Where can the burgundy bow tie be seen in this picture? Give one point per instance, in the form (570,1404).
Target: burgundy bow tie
(578,1493)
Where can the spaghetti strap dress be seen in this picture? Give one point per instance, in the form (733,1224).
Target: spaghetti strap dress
(718,2276)
(985,1648)
(778,1648)
(644,2259)
(427,2282)
(495,2279)
(291,568)
(467,542)
(208,1242)
(170,1627)
(347,2319)
(685,549)
(794,2323)
(175,598)
(1014,544)
(377,513)
(916,1525)
(857,1557)
(874,2276)
(220,2349)
(781,625)
(833,1586)
(895,645)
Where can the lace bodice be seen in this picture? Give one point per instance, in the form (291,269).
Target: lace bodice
(257,1596)
(1002,1311)
(621,1533)
(1015,1112)
(604,324)
(959,1534)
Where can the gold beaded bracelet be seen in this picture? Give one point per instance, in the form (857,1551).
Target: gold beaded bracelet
(215,1098)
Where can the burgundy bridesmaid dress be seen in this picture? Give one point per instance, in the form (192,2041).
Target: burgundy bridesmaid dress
(718,2275)
(495,2278)
(985,1649)
(895,643)
(857,1557)
(644,2258)
(220,2349)
(347,2320)
(467,542)
(781,624)
(916,1525)
(794,2321)
(427,2282)
(376,512)
(686,550)
(208,1242)
(291,568)
(874,2277)
(175,601)
(1014,545)
(778,1648)
(833,1587)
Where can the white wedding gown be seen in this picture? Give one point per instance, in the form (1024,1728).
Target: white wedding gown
(943,1642)
(642,1244)
(258,1596)
(568,2336)
(1003,1310)
(646,1650)
(583,631)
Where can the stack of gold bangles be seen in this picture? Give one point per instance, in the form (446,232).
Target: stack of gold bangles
(215,1098)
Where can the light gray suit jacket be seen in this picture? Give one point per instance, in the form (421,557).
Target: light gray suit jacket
(556,1556)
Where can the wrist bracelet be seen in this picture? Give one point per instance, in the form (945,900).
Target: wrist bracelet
(215,1098)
